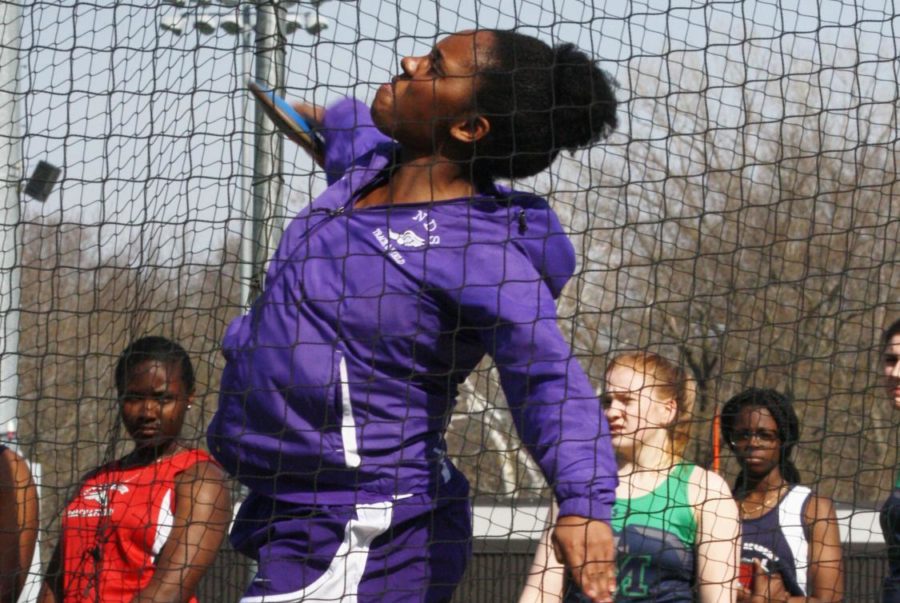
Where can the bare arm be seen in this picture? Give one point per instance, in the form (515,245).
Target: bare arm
(718,538)
(546,578)
(202,513)
(18,524)
(826,566)
(52,588)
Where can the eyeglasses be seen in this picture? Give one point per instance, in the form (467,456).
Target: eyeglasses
(763,436)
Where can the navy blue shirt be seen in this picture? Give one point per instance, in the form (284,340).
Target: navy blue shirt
(890,527)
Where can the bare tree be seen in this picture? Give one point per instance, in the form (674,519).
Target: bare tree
(760,254)
(78,313)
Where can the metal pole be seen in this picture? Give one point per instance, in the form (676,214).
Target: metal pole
(246,253)
(10,180)
(268,210)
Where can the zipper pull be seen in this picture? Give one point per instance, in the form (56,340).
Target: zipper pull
(331,213)
(523,222)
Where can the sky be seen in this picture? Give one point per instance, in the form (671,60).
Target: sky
(148,126)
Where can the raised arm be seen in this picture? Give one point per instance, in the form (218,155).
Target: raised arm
(347,129)
(18,524)
(202,513)
(546,578)
(314,114)
(719,538)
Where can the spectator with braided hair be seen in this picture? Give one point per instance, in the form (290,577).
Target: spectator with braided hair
(791,549)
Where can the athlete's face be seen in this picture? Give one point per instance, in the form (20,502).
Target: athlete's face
(637,415)
(433,93)
(891,366)
(755,441)
(154,403)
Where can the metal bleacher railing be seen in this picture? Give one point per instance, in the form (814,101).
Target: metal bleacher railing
(506,536)
(497,572)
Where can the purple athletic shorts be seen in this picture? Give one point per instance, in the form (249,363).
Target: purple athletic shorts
(412,549)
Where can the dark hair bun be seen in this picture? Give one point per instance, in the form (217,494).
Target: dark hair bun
(539,100)
(584,111)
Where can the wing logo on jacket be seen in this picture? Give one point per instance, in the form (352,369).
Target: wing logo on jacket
(406,239)
(388,246)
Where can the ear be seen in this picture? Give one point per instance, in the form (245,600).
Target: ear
(470,129)
(671,407)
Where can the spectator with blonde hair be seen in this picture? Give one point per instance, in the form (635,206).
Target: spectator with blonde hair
(676,525)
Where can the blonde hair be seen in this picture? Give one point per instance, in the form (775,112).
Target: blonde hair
(670,382)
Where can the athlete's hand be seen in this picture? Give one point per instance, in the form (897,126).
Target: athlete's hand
(314,114)
(767,588)
(586,547)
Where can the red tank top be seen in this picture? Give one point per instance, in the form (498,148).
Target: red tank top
(115,527)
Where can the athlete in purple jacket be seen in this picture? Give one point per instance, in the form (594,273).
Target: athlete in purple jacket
(381,299)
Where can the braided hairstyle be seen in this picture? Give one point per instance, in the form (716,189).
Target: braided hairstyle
(539,100)
(782,410)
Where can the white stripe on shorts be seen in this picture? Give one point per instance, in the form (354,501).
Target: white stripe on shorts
(340,582)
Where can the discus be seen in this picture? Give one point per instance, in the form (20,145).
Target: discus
(287,119)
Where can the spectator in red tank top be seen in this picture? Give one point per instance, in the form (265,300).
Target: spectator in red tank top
(147,526)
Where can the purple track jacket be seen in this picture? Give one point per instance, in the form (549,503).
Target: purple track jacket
(340,380)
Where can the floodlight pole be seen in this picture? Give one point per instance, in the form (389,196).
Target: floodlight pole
(268,176)
(247,291)
(263,209)
(10,230)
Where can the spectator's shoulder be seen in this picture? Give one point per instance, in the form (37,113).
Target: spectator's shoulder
(14,469)
(707,486)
